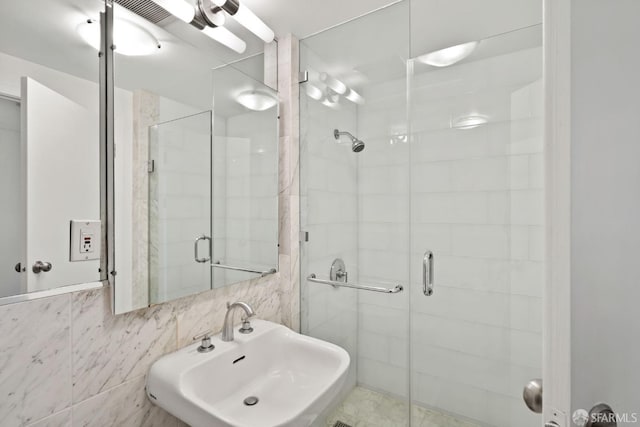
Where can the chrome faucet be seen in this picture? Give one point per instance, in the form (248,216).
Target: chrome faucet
(227,328)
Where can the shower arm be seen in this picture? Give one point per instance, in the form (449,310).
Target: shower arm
(337,134)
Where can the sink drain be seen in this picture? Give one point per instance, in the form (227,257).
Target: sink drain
(251,400)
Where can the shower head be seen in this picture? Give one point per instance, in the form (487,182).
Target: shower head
(356,144)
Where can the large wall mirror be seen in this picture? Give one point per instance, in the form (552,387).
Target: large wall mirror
(49,149)
(195,159)
(196,162)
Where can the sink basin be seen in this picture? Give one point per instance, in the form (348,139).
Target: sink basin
(294,378)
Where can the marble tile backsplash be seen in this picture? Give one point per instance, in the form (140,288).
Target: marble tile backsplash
(67,361)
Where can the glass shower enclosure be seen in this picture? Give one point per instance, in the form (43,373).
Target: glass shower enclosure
(446,194)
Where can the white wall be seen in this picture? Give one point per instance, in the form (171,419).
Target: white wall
(605,185)
(12,212)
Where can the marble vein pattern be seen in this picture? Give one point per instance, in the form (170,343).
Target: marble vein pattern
(124,406)
(59,419)
(146,107)
(108,349)
(289,178)
(35,360)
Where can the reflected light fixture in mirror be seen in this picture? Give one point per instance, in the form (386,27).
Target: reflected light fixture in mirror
(247,19)
(355,97)
(469,122)
(256,101)
(336,85)
(448,56)
(131,39)
(314,92)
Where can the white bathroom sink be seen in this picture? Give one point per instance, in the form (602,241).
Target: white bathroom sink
(294,377)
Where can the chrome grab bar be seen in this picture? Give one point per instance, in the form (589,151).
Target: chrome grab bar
(195,249)
(246,270)
(427,273)
(394,290)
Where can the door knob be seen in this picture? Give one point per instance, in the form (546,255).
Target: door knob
(40,266)
(532,395)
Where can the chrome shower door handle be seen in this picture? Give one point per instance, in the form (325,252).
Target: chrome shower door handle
(195,249)
(427,273)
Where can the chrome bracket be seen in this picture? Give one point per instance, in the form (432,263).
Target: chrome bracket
(303,76)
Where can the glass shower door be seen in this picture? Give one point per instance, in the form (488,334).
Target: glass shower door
(180,207)
(355,207)
(477,203)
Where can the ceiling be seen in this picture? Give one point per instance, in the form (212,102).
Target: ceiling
(182,70)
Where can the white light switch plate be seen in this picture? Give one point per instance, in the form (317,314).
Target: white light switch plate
(86,241)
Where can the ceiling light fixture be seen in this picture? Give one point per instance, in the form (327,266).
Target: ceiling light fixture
(247,19)
(469,122)
(130,39)
(206,17)
(449,55)
(256,101)
(178,8)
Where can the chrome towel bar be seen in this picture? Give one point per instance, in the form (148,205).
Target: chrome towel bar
(394,290)
(246,270)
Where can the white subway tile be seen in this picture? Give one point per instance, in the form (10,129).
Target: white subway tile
(482,241)
(482,174)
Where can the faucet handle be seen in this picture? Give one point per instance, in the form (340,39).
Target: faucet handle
(246,325)
(205,345)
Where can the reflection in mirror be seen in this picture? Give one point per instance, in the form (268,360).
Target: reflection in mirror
(179,213)
(245,176)
(49,148)
(167,163)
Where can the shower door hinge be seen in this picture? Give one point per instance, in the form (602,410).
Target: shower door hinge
(151,166)
(303,76)
(304,236)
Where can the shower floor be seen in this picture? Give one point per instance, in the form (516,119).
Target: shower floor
(368,408)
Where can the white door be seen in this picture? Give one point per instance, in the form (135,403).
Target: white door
(57,131)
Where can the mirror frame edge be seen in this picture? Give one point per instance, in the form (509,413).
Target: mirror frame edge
(107,151)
